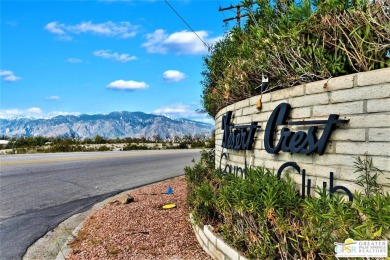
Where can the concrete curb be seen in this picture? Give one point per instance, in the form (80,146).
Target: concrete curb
(54,244)
(213,244)
(65,249)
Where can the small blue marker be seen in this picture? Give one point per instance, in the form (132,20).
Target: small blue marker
(170,190)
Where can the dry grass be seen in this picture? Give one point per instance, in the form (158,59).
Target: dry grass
(141,229)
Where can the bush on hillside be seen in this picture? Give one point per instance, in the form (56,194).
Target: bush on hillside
(294,43)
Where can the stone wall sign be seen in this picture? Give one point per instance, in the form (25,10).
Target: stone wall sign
(241,137)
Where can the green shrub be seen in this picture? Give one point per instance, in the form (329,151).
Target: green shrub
(129,147)
(265,217)
(104,148)
(182,146)
(368,179)
(294,43)
(374,216)
(326,220)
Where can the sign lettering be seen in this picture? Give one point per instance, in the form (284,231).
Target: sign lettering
(297,142)
(239,137)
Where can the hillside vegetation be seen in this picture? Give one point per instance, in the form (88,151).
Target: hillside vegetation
(294,42)
(40,144)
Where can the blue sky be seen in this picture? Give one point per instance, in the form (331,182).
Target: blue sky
(89,57)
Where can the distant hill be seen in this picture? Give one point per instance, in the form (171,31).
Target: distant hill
(113,125)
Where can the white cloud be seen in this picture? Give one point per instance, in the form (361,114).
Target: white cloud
(10,113)
(9,76)
(34,110)
(178,111)
(74,60)
(173,75)
(174,109)
(184,111)
(155,42)
(120,29)
(183,42)
(107,54)
(55,28)
(127,85)
(53,98)
(60,113)
(6,73)
(14,112)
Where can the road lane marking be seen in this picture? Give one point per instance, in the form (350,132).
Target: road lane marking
(85,158)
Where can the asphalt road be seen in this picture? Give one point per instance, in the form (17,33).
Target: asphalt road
(39,191)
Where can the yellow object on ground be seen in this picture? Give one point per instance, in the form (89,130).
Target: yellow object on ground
(169,206)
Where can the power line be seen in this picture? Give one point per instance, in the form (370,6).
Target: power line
(238,11)
(219,3)
(189,26)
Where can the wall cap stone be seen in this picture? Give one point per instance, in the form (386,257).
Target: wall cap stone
(214,246)
(373,77)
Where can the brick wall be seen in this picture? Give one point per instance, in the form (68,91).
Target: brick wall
(363,98)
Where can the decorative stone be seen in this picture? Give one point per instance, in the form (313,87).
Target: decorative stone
(125,199)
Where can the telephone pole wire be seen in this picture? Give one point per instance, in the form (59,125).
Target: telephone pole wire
(189,26)
(238,13)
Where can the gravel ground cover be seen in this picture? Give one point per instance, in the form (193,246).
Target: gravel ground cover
(141,229)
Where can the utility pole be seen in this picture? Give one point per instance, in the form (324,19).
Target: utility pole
(237,17)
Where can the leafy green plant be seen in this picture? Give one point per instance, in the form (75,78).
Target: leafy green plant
(129,147)
(295,42)
(265,218)
(326,219)
(104,148)
(368,179)
(374,216)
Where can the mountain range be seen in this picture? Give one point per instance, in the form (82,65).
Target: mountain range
(112,125)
